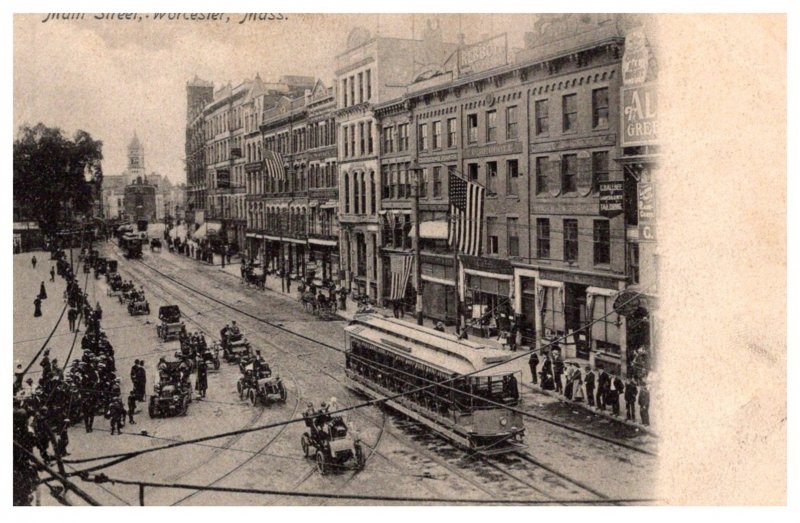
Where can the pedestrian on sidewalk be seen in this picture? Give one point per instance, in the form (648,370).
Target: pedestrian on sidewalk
(630,400)
(644,404)
(603,384)
(33,262)
(37,307)
(52,273)
(533,363)
(42,292)
(131,407)
(202,378)
(546,374)
(617,388)
(116,413)
(72,315)
(589,381)
(577,384)
(558,371)
(89,406)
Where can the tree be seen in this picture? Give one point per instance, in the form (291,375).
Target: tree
(49,174)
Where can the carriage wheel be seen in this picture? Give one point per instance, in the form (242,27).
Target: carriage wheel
(253,397)
(240,388)
(305,443)
(282,391)
(360,459)
(322,462)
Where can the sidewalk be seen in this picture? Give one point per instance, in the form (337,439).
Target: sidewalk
(273,284)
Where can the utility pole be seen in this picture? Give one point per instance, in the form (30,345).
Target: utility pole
(417,174)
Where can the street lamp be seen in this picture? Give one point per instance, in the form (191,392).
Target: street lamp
(416,175)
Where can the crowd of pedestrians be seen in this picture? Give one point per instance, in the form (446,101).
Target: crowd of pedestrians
(63,396)
(598,388)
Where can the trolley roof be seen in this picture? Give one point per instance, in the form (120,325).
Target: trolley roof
(442,351)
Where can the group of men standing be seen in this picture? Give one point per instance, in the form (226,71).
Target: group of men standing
(601,388)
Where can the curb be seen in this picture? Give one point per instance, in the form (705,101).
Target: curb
(644,428)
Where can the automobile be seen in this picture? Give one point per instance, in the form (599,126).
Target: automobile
(137,304)
(331,444)
(259,385)
(171,325)
(172,393)
(234,348)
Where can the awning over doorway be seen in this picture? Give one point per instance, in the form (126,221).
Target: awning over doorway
(433,230)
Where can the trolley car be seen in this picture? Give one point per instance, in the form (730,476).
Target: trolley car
(131,245)
(385,357)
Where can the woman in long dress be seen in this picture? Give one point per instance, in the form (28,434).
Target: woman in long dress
(42,292)
(37,304)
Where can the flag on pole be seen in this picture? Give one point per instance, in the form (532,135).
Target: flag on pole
(274,164)
(466,215)
(401,265)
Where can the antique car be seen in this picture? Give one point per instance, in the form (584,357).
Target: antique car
(137,304)
(330,442)
(234,347)
(172,393)
(115,284)
(258,384)
(210,355)
(171,325)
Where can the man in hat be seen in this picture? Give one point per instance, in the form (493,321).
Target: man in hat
(630,400)
(45,364)
(644,404)
(52,273)
(533,363)
(202,378)
(116,413)
(72,315)
(308,414)
(131,407)
(588,380)
(89,406)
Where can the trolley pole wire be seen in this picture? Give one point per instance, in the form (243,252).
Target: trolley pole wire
(62,478)
(124,456)
(102,478)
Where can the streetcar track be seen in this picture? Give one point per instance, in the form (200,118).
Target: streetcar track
(228,444)
(448,467)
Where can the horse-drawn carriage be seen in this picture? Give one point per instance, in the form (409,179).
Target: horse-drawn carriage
(173,392)
(171,325)
(253,276)
(258,384)
(331,443)
(317,303)
(155,244)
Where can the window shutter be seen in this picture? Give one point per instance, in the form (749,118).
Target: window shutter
(554,177)
(584,179)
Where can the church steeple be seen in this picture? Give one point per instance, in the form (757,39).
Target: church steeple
(135,158)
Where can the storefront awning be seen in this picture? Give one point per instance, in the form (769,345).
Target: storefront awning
(330,204)
(201,231)
(436,230)
(319,241)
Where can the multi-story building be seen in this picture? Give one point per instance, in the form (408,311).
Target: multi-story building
(199,93)
(371,72)
(140,201)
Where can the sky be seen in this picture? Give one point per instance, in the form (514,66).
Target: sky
(111,77)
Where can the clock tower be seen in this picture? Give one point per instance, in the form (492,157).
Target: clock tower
(135,159)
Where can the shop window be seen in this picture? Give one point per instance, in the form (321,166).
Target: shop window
(472,172)
(633,263)
(606,325)
(491,178)
(541,174)
(600,108)
(513,236)
(472,128)
(512,177)
(599,168)
(569,112)
(422,139)
(602,242)
(552,313)
(491,126)
(492,244)
(437,182)
(451,132)
(511,123)
(543,238)
(569,173)
(570,240)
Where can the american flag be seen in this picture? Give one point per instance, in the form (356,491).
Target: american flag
(274,163)
(401,265)
(466,215)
